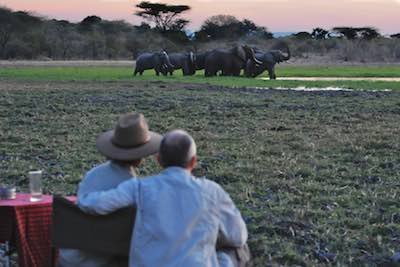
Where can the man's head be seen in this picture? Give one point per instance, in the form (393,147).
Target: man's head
(177,149)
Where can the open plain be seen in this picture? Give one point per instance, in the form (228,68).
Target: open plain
(315,174)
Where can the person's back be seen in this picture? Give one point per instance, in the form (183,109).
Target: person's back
(106,176)
(179,220)
(179,217)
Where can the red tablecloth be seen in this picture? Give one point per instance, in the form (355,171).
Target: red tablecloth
(28,225)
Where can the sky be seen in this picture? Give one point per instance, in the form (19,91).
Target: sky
(276,15)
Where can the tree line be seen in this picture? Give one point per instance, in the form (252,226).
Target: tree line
(27,36)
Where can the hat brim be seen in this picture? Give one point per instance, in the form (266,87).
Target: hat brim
(108,149)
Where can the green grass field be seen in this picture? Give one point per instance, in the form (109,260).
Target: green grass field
(125,74)
(315,174)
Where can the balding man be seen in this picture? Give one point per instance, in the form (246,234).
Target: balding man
(179,217)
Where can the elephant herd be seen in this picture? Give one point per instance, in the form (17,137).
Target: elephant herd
(225,62)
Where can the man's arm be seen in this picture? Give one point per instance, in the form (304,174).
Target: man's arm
(233,231)
(104,202)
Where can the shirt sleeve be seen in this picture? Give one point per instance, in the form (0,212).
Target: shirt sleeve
(232,230)
(104,202)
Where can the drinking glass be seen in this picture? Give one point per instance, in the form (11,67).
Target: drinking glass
(35,185)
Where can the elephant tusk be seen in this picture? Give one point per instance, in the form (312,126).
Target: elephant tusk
(258,63)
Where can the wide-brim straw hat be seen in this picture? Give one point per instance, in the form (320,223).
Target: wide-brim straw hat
(129,140)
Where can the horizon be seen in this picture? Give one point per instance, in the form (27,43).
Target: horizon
(275,15)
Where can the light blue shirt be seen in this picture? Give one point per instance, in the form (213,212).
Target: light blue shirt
(103,177)
(178,218)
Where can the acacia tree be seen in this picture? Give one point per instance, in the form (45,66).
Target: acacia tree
(319,34)
(164,16)
(396,35)
(351,33)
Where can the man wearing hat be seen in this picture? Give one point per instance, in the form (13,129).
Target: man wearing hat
(124,147)
(179,217)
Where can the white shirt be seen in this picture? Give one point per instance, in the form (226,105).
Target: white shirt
(178,218)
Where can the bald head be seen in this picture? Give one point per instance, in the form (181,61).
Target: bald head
(177,149)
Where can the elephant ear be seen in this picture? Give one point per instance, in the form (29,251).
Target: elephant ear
(240,52)
(277,56)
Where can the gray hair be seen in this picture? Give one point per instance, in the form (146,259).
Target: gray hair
(177,149)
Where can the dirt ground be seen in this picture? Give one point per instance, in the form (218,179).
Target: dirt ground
(314,174)
(69,63)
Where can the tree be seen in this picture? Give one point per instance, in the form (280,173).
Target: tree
(164,16)
(229,27)
(302,35)
(319,34)
(348,32)
(368,33)
(6,25)
(88,23)
(58,36)
(18,24)
(143,27)
(365,33)
(396,35)
(220,27)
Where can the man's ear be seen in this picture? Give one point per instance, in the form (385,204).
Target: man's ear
(193,162)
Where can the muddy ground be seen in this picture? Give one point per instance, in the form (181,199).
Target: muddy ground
(315,174)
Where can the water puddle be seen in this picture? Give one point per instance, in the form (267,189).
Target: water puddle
(318,89)
(373,79)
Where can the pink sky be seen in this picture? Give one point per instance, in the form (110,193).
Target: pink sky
(276,15)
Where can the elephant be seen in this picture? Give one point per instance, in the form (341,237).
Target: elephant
(184,61)
(158,61)
(229,62)
(200,59)
(269,60)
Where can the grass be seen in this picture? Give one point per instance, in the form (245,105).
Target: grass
(125,74)
(315,174)
(339,71)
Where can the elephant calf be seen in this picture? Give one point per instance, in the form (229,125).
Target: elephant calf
(269,60)
(158,61)
(184,61)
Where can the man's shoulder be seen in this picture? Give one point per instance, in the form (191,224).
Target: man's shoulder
(210,187)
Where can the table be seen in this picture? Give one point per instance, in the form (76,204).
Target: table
(27,225)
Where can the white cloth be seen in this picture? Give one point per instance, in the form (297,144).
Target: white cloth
(178,218)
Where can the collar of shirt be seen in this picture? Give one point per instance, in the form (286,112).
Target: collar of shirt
(121,168)
(174,170)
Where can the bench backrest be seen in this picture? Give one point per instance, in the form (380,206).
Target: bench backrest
(110,234)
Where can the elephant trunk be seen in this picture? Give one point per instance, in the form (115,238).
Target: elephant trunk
(285,58)
(191,58)
(192,63)
(167,62)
